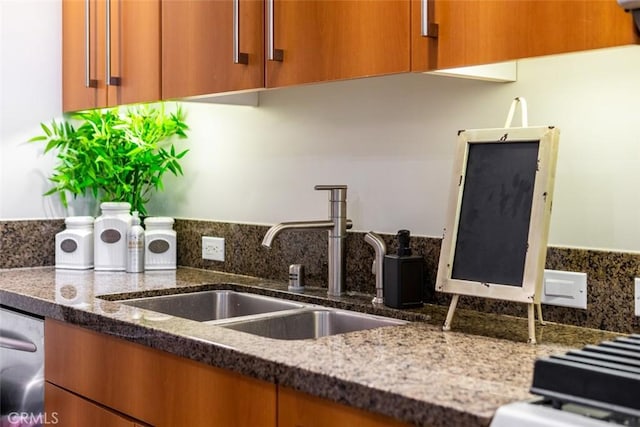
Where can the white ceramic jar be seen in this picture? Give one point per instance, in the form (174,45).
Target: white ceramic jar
(160,244)
(74,245)
(110,241)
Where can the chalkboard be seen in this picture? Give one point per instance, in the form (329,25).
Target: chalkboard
(495,240)
(495,213)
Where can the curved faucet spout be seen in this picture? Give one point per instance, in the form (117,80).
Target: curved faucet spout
(337,226)
(378,264)
(294,225)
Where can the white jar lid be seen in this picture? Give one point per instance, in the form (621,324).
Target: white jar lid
(115,206)
(78,221)
(159,221)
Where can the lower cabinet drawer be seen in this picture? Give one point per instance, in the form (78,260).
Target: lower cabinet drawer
(66,409)
(152,386)
(297,409)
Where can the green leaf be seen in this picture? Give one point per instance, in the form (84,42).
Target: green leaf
(114,155)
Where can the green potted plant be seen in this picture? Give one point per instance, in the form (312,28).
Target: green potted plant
(115,154)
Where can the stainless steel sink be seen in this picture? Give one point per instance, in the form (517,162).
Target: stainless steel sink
(212,305)
(261,315)
(310,323)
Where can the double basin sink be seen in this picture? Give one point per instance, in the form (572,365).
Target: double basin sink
(261,315)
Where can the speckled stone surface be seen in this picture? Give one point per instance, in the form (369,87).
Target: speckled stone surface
(245,255)
(413,372)
(610,302)
(28,243)
(610,274)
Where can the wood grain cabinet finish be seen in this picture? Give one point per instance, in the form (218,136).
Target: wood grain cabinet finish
(321,40)
(337,39)
(167,49)
(124,32)
(154,387)
(472,32)
(65,409)
(297,409)
(198,46)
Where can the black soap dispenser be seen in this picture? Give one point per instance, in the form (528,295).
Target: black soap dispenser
(403,275)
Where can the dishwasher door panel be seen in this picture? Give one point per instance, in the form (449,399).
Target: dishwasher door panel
(21,364)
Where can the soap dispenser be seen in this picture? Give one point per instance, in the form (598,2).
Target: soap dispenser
(403,275)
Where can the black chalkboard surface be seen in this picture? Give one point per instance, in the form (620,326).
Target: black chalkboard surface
(494,243)
(495,212)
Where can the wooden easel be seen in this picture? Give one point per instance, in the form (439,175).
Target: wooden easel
(530,317)
(531,306)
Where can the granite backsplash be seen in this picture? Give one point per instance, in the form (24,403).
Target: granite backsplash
(610,275)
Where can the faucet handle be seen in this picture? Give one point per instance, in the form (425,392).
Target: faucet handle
(330,187)
(338,193)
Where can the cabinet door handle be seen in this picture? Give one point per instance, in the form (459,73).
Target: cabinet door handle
(273,54)
(426,29)
(238,57)
(88,82)
(111,80)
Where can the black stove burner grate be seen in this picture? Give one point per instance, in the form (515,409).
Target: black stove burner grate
(605,376)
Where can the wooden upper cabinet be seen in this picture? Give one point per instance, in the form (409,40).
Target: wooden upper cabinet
(472,32)
(198,43)
(124,32)
(323,40)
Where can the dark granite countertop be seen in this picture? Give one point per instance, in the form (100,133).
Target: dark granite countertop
(413,372)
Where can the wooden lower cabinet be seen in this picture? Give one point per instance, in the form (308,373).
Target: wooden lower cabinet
(152,386)
(65,409)
(297,409)
(98,380)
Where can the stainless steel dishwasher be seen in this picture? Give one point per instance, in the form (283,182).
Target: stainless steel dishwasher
(21,367)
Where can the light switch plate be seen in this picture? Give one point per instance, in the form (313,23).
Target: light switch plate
(636,296)
(565,288)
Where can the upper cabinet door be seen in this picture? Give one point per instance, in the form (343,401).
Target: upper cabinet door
(125,34)
(321,40)
(211,46)
(83,84)
(135,51)
(472,32)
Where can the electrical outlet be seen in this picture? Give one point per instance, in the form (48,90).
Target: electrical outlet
(213,248)
(565,288)
(636,296)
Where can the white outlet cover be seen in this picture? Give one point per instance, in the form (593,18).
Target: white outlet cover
(564,288)
(213,248)
(636,296)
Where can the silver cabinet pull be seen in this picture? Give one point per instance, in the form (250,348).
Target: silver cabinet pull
(273,54)
(426,29)
(238,57)
(111,80)
(87,46)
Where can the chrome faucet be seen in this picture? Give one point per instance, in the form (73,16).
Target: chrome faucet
(337,225)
